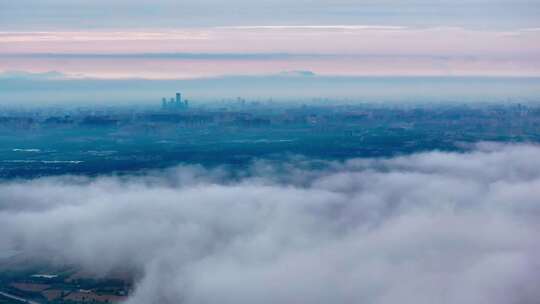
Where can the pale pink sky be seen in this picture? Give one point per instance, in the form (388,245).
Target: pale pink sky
(346,50)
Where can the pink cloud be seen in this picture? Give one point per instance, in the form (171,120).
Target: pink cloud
(355,50)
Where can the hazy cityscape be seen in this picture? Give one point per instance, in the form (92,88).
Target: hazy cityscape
(96,140)
(238,152)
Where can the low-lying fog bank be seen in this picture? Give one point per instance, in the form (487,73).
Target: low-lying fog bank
(426,228)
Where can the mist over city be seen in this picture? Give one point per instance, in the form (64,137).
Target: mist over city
(348,151)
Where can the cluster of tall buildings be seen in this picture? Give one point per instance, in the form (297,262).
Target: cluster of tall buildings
(174,103)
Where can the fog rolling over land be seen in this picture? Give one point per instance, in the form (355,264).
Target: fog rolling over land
(291,152)
(431,227)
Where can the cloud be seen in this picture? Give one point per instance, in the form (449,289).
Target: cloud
(297,73)
(346,50)
(50,75)
(82,36)
(426,228)
(318,27)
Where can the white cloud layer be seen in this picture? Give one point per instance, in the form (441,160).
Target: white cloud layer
(427,228)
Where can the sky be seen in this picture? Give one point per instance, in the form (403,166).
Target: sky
(102,14)
(208,38)
(295,87)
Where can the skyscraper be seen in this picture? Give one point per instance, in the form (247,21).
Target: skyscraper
(178,100)
(164,103)
(175,103)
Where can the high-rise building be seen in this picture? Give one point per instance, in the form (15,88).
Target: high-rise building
(175,103)
(178,100)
